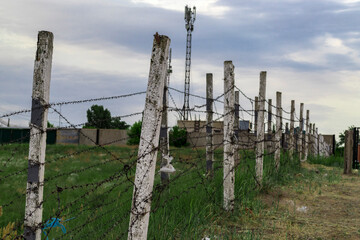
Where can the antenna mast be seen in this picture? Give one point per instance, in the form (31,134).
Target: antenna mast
(189,26)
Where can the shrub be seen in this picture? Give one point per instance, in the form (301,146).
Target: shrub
(134,133)
(178,137)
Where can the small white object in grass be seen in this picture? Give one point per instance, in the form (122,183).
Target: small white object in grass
(168,168)
(303,209)
(205,238)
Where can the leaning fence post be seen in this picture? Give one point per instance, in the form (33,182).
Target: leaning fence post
(209,123)
(292,137)
(149,140)
(236,128)
(301,128)
(260,130)
(306,135)
(278,132)
(229,118)
(37,144)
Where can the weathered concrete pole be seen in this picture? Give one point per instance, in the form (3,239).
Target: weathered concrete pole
(317,142)
(236,128)
(149,140)
(164,134)
(307,134)
(256,114)
(269,130)
(37,144)
(310,140)
(269,142)
(300,135)
(209,123)
(260,130)
(278,131)
(229,119)
(314,147)
(292,137)
(348,151)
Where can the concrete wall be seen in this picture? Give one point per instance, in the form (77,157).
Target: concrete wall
(91,137)
(112,137)
(87,137)
(67,136)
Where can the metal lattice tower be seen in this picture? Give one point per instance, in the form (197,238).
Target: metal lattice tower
(189,26)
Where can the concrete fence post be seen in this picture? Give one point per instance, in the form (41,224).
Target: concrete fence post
(318,142)
(236,127)
(256,113)
(310,140)
(348,151)
(149,140)
(260,130)
(209,123)
(292,137)
(300,134)
(269,130)
(164,134)
(278,131)
(313,148)
(37,144)
(229,118)
(307,134)
(269,139)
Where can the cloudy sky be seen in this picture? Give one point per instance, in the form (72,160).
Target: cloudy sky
(309,48)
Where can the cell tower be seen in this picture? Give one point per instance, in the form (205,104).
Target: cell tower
(189,26)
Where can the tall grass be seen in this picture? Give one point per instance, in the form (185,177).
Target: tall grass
(190,207)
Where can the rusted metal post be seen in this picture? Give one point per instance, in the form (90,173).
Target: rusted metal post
(307,134)
(278,131)
(149,140)
(260,130)
(229,118)
(37,144)
(292,137)
(209,123)
(236,128)
(300,135)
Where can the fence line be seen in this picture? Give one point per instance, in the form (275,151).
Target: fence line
(121,172)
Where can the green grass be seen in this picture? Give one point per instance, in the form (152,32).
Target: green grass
(87,184)
(332,161)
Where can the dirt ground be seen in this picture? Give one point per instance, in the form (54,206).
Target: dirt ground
(324,207)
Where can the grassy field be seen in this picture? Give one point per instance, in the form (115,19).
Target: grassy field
(92,189)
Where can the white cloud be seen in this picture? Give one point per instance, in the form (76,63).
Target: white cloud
(206,7)
(324,46)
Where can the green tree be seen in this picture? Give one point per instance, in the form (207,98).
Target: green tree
(49,125)
(134,133)
(342,137)
(118,124)
(177,137)
(98,117)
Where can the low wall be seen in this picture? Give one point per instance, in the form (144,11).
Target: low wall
(91,137)
(113,137)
